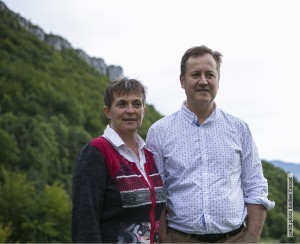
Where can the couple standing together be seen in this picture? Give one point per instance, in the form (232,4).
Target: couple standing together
(199,179)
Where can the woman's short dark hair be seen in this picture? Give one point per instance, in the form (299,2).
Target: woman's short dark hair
(123,86)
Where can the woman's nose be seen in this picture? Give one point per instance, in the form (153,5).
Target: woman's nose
(130,109)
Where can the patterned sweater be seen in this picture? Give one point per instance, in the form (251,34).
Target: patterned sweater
(112,202)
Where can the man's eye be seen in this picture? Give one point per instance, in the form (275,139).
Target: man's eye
(210,75)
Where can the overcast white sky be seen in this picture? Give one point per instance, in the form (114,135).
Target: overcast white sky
(259,40)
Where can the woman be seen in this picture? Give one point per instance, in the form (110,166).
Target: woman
(118,194)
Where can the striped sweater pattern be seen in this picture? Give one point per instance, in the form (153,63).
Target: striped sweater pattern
(136,193)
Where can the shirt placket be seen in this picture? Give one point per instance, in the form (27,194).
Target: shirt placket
(205,176)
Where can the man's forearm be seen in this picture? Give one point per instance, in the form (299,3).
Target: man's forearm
(256,219)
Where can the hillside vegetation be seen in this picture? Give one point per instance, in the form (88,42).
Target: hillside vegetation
(50,106)
(275,228)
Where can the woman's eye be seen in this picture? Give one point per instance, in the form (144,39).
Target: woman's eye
(121,104)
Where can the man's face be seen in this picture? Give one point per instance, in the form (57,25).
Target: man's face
(201,80)
(126,113)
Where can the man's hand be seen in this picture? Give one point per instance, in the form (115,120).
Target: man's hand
(163,227)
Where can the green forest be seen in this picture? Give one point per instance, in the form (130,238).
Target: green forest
(50,106)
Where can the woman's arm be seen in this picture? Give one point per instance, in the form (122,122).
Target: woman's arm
(89,179)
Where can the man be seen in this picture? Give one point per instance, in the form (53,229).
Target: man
(208,162)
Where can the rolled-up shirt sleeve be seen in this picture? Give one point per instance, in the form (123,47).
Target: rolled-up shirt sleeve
(254,184)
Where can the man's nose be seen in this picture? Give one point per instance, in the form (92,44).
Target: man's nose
(202,80)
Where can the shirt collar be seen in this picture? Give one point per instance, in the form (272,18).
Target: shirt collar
(192,117)
(117,141)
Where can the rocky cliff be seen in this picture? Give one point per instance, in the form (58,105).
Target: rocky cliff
(59,43)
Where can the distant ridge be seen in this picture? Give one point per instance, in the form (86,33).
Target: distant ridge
(59,43)
(288,167)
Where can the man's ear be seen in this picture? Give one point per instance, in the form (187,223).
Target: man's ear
(106,111)
(181,81)
(145,108)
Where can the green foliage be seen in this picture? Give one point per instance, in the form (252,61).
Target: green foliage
(34,216)
(17,203)
(54,215)
(50,107)
(276,222)
(9,150)
(5,232)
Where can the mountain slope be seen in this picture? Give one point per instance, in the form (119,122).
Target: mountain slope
(288,167)
(50,106)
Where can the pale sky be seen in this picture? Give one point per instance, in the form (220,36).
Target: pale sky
(259,40)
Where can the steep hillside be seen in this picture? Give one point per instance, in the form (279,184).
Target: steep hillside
(50,106)
(50,102)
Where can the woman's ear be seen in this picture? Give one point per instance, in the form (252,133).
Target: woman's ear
(106,111)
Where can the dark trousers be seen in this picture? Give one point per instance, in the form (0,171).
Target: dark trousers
(178,237)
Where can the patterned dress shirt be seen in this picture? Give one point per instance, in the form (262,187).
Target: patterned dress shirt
(210,170)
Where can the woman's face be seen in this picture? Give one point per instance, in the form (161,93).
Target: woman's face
(126,113)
